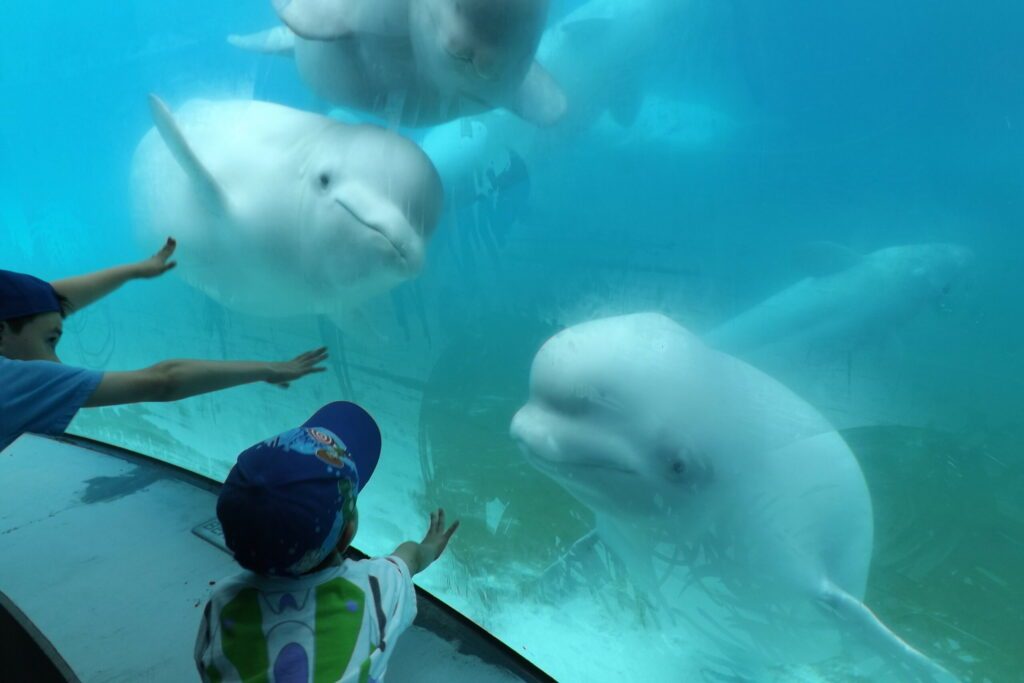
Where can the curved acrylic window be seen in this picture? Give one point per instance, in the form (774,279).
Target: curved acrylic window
(828,195)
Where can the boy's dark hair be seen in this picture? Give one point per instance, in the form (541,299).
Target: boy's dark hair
(18,324)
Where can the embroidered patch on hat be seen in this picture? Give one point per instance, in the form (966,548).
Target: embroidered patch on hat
(320,436)
(335,457)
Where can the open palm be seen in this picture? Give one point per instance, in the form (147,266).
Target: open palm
(159,263)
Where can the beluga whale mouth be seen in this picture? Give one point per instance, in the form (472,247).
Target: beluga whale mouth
(597,465)
(542,458)
(544,451)
(459,56)
(399,251)
(474,71)
(474,68)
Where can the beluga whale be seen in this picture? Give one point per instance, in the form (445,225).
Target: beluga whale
(612,59)
(847,298)
(282,212)
(418,62)
(732,503)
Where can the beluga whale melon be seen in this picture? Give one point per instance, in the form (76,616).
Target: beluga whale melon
(733,504)
(282,212)
(418,62)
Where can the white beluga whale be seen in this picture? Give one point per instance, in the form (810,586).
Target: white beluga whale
(419,62)
(848,298)
(282,212)
(587,49)
(610,57)
(732,502)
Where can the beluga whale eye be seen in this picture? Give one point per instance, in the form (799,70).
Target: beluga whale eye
(679,466)
(325,180)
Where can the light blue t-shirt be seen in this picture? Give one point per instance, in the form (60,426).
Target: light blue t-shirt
(41,397)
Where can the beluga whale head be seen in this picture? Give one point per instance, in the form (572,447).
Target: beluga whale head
(480,50)
(283,212)
(940,267)
(604,422)
(374,215)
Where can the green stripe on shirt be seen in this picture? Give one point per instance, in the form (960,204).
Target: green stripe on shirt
(242,639)
(339,619)
(213,674)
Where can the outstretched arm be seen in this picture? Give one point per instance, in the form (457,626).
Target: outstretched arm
(85,289)
(177,379)
(419,556)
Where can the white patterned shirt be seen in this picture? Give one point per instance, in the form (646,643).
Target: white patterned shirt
(338,625)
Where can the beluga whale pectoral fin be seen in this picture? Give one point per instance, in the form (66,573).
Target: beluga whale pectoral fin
(276,41)
(539,100)
(208,189)
(860,621)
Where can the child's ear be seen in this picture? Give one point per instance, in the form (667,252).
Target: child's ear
(347,534)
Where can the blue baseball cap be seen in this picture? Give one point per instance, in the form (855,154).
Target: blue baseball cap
(22,295)
(286,501)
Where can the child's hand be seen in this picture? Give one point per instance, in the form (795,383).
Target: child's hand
(282,374)
(419,556)
(437,537)
(159,263)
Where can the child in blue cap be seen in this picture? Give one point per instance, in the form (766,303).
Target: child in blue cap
(39,394)
(300,612)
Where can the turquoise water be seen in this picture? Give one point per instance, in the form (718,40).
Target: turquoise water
(735,149)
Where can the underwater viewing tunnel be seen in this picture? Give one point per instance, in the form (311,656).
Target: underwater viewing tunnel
(682,341)
(72,615)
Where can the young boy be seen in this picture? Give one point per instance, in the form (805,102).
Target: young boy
(301,612)
(39,394)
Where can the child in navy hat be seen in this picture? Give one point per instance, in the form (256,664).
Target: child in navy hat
(301,612)
(39,394)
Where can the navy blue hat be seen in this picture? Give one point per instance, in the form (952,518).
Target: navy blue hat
(286,501)
(22,295)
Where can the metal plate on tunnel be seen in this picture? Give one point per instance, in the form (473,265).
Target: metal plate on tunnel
(212,532)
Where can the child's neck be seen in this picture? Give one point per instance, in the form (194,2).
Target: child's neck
(328,561)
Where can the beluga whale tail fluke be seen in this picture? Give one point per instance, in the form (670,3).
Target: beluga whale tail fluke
(732,503)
